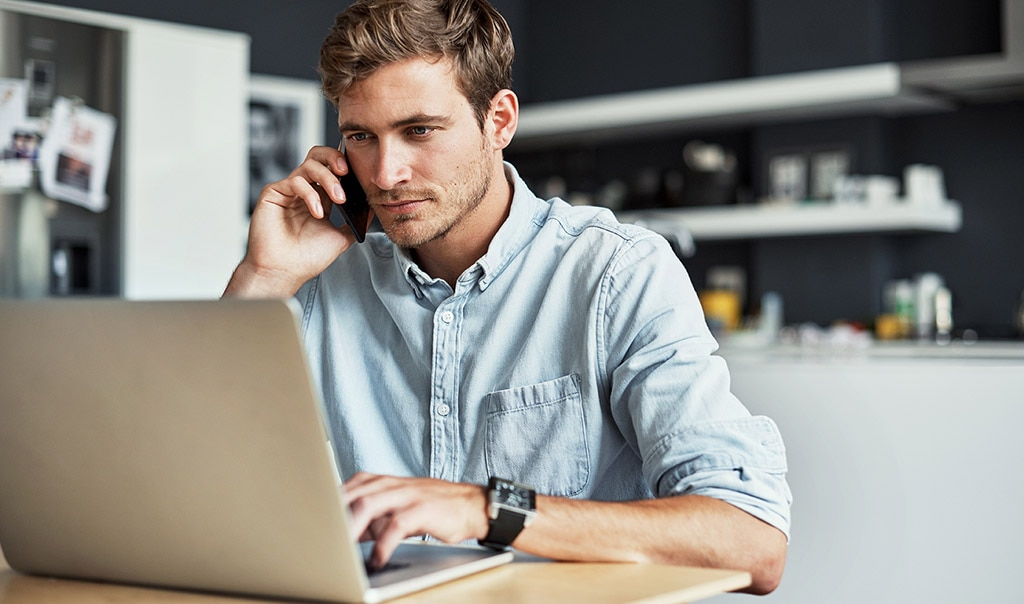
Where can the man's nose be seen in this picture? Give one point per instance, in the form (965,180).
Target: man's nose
(392,167)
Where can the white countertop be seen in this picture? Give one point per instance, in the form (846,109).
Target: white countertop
(743,349)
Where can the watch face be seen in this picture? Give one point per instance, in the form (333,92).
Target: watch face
(513,495)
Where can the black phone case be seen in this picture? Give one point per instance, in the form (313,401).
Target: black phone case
(355,211)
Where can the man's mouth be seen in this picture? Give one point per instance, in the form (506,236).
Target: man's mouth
(403,205)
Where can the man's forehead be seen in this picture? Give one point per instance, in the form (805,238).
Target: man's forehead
(400,94)
(401,75)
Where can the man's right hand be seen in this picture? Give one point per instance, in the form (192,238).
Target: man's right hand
(290,238)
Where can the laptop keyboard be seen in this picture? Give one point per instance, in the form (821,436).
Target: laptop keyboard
(389,566)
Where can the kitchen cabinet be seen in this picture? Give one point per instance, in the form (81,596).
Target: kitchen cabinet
(902,462)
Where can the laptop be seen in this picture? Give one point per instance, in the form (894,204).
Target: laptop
(182,444)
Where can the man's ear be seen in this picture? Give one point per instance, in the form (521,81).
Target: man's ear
(503,118)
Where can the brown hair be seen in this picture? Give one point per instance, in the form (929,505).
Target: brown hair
(373,33)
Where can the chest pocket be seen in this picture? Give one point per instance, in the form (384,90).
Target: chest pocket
(536,435)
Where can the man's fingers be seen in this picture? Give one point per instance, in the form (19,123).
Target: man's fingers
(358,479)
(389,509)
(326,203)
(314,181)
(371,505)
(377,527)
(388,533)
(328,156)
(388,530)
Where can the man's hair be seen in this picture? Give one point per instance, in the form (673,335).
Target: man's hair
(371,34)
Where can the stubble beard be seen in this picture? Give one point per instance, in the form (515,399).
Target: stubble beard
(448,206)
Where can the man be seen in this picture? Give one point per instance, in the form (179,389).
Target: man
(488,333)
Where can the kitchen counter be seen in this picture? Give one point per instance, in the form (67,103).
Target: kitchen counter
(743,349)
(904,464)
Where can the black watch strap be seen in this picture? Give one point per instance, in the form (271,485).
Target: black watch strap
(511,506)
(504,530)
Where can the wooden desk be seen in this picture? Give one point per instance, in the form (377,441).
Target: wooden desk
(516,583)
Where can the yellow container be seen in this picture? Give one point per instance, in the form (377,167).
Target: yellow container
(721,309)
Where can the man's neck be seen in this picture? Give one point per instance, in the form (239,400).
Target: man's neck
(449,256)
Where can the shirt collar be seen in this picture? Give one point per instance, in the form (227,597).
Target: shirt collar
(513,235)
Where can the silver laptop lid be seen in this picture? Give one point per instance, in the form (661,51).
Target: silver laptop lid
(168,443)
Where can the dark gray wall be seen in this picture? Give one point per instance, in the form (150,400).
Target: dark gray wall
(286,34)
(571,49)
(796,35)
(605,46)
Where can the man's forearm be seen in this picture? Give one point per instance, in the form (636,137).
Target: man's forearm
(685,530)
(247,282)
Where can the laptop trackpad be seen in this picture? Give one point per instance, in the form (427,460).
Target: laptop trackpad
(416,559)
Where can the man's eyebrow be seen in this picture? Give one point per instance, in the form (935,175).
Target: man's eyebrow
(412,120)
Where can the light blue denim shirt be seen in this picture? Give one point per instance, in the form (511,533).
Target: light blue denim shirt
(572,357)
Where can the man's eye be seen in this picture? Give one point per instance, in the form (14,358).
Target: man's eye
(421,130)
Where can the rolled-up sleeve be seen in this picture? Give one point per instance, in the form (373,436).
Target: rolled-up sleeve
(670,395)
(741,461)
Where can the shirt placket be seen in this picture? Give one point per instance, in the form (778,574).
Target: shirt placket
(444,389)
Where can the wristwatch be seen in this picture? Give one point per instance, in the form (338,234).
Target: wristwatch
(511,508)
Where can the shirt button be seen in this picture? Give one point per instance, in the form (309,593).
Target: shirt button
(447,316)
(443,410)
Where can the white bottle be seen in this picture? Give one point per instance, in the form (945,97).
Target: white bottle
(927,286)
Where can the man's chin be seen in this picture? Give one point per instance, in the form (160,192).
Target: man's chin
(405,234)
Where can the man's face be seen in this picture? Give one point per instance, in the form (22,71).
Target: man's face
(415,143)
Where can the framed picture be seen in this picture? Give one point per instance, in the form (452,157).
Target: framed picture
(807,173)
(786,177)
(827,167)
(286,118)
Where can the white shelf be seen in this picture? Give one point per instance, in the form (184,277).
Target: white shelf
(875,89)
(795,220)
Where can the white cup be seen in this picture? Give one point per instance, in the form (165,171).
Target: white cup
(880,190)
(924,185)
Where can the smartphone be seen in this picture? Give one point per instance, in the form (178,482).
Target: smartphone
(355,212)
